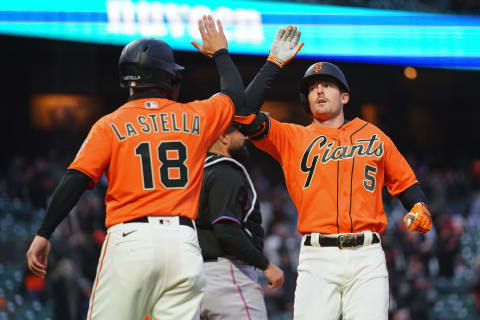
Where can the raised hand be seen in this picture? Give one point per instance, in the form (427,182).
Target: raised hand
(213,39)
(285,46)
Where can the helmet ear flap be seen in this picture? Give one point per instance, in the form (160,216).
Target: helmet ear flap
(304,101)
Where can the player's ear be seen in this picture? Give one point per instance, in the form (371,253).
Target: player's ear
(344,97)
(224,138)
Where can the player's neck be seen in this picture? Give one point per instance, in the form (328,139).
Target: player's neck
(147,90)
(335,122)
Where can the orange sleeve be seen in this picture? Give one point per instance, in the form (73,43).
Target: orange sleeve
(245,119)
(398,174)
(276,143)
(218,111)
(94,154)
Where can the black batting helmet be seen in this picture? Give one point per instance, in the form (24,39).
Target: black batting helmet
(149,63)
(321,70)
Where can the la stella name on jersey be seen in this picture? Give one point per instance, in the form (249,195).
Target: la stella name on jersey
(158,122)
(348,151)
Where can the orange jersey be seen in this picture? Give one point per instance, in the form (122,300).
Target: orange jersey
(335,176)
(152,151)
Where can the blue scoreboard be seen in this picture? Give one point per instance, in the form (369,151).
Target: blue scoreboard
(329,32)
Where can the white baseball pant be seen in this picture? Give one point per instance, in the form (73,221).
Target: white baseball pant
(352,282)
(149,268)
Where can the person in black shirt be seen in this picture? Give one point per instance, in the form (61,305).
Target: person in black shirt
(231,236)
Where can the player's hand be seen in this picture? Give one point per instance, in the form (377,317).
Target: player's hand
(285,46)
(37,256)
(418,219)
(274,276)
(213,39)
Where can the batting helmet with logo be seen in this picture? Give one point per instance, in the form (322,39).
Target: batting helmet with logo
(149,63)
(321,70)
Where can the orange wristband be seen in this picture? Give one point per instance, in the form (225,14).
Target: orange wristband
(279,62)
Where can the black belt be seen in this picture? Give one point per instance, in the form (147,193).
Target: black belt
(210,259)
(184,221)
(342,240)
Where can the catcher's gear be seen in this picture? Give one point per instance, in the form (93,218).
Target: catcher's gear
(418,219)
(321,70)
(149,63)
(285,46)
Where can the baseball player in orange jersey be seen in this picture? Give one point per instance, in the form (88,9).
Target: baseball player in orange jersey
(151,150)
(335,170)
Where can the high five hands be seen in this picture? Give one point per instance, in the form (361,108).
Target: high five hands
(284,48)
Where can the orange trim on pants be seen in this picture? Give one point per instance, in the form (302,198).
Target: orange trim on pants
(98,277)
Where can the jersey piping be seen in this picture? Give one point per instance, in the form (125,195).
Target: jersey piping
(351,179)
(209,162)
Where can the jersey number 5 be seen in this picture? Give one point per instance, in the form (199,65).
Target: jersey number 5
(173,171)
(370,181)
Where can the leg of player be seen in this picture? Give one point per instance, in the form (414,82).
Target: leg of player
(367,295)
(145,267)
(318,292)
(232,292)
(244,277)
(186,281)
(120,290)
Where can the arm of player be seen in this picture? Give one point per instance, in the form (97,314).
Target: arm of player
(226,200)
(284,48)
(226,194)
(418,218)
(66,195)
(235,242)
(215,45)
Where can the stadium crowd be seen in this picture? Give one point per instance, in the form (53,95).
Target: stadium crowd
(435,276)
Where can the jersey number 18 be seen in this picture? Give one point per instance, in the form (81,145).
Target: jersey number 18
(173,171)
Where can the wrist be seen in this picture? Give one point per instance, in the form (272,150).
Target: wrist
(44,233)
(220,52)
(277,61)
(265,265)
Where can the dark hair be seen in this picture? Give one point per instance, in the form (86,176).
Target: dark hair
(232,128)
